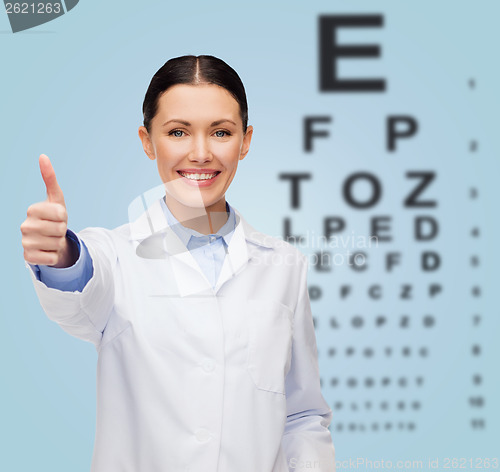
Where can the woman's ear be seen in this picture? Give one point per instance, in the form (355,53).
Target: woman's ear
(246,142)
(146,142)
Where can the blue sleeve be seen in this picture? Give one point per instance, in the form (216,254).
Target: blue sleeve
(68,279)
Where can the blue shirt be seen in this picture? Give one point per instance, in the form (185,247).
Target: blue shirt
(208,250)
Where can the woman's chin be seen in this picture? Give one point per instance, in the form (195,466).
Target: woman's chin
(191,201)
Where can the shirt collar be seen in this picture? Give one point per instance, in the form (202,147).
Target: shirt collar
(152,222)
(185,233)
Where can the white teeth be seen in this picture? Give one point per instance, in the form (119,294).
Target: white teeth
(198,176)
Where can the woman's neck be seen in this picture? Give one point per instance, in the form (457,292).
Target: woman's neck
(212,219)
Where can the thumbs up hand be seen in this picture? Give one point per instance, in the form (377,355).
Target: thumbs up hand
(44,230)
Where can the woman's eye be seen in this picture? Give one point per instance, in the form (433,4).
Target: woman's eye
(225,133)
(174,131)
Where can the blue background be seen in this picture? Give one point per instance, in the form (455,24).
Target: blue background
(73,89)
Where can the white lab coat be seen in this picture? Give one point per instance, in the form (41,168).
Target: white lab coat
(191,378)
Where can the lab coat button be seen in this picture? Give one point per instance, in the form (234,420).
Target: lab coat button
(208,365)
(202,435)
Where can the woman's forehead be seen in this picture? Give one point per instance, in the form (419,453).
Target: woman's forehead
(192,93)
(205,102)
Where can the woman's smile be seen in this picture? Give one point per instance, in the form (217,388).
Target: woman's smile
(199,178)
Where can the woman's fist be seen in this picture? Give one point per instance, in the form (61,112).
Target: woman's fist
(44,230)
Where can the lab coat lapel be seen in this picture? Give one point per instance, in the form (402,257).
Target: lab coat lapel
(157,239)
(245,245)
(237,254)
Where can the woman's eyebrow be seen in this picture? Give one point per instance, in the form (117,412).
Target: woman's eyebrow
(186,123)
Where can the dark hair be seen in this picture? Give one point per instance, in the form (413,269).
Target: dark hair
(194,70)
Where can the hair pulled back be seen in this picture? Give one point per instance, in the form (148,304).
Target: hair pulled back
(194,70)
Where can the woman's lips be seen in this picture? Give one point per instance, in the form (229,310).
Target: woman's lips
(205,182)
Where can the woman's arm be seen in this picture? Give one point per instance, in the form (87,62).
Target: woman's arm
(45,241)
(306,439)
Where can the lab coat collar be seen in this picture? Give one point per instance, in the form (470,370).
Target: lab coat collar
(185,234)
(153,221)
(155,239)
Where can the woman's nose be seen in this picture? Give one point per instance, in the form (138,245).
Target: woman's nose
(201,150)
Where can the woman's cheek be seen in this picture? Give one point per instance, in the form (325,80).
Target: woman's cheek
(229,154)
(170,155)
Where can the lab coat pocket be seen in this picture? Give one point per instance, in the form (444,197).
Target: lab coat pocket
(270,334)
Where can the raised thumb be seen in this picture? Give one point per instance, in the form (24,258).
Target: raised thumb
(54,192)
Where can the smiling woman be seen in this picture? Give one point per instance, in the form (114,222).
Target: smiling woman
(203,325)
(195,127)
(197,135)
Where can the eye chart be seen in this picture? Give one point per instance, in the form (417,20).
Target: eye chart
(375,152)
